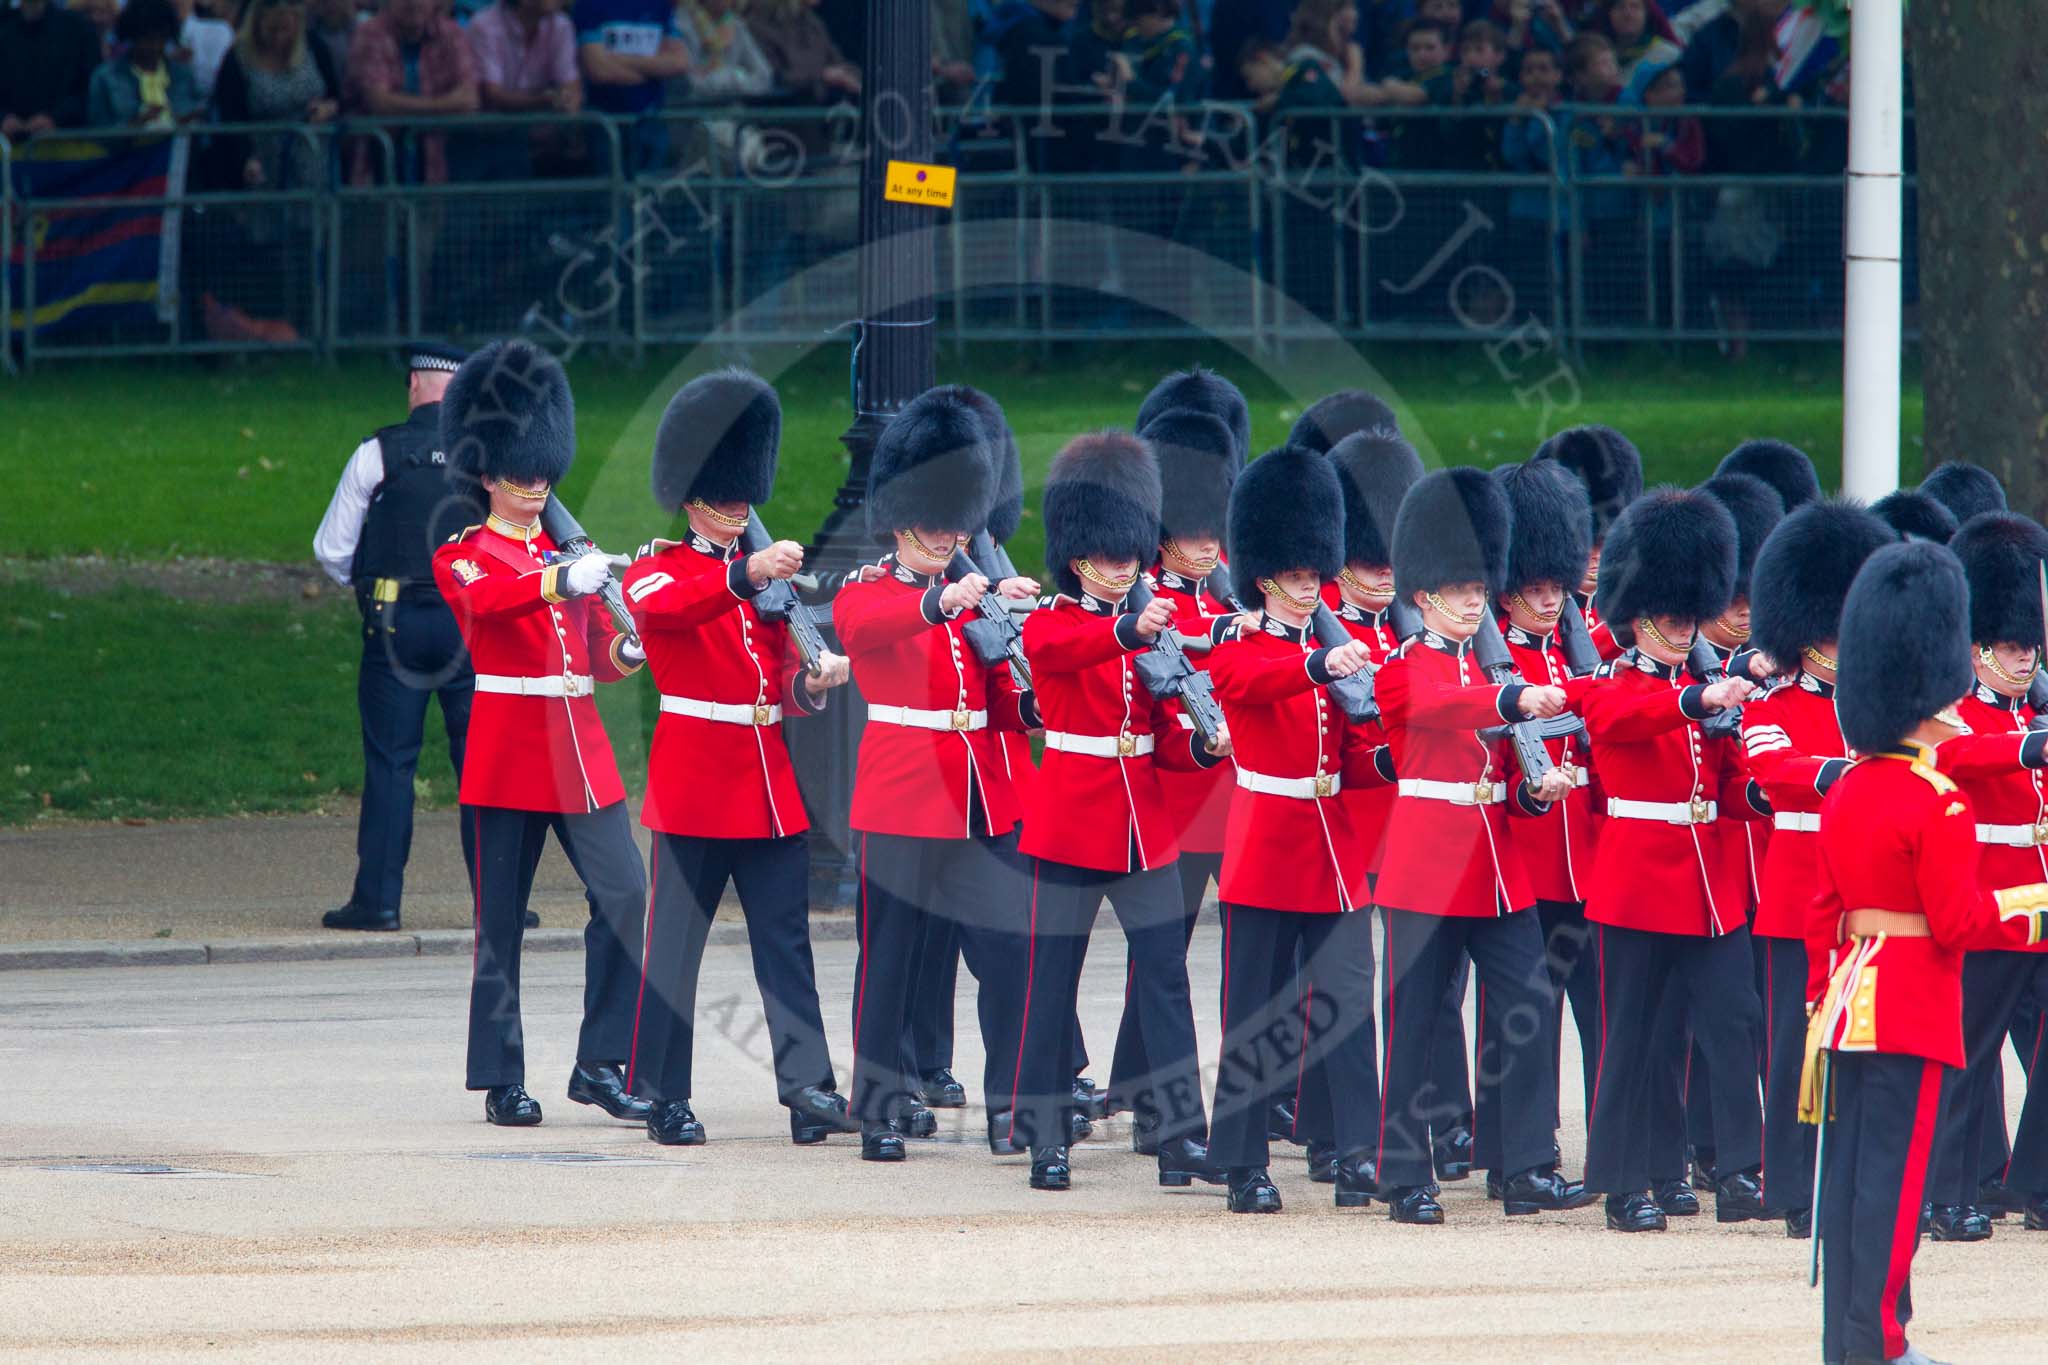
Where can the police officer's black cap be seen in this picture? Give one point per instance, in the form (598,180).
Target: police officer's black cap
(1607,462)
(1903,652)
(1757,510)
(2001,554)
(1783,466)
(1101,500)
(718,441)
(1205,391)
(1375,469)
(1453,528)
(1286,512)
(508,414)
(932,467)
(1334,416)
(1672,553)
(1197,465)
(1551,525)
(434,355)
(1965,489)
(1803,573)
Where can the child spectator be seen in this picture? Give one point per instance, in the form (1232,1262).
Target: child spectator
(1158,58)
(1532,146)
(1480,79)
(1531,25)
(1426,49)
(1600,146)
(1668,145)
(1640,33)
(143,87)
(410,60)
(1233,26)
(1323,32)
(47,56)
(1288,94)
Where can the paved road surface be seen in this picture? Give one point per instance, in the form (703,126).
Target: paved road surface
(345,1201)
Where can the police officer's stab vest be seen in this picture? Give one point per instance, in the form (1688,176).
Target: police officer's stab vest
(416,508)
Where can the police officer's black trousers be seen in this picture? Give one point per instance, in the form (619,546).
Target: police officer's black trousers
(1788,1143)
(688,877)
(1994,983)
(1874,1159)
(975,883)
(1422,954)
(601,849)
(412,652)
(1650,984)
(1193,872)
(1063,905)
(1271,1032)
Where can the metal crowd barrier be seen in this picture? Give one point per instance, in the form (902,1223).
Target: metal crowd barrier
(1070,222)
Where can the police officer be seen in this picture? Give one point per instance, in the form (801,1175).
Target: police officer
(394,505)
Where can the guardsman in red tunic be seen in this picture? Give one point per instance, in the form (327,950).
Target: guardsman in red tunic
(932,804)
(1608,463)
(722,798)
(1671,901)
(1794,748)
(1785,467)
(1293,871)
(1899,904)
(1451,884)
(1098,827)
(538,756)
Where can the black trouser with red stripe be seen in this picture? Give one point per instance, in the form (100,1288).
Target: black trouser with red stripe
(1063,905)
(1574,978)
(2027,1171)
(601,849)
(689,877)
(1873,1175)
(1132,1060)
(1788,1143)
(1271,1033)
(1422,956)
(1994,983)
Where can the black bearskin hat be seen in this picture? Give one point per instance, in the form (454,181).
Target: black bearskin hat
(507,414)
(1006,514)
(717,441)
(1101,500)
(1375,471)
(1784,467)
(1346,412)
(1204,391)
(2001,554)
(1196,467)
(1286,512)
(1551,525)
(1607,462)
(1757,510)
(1915,516)
(1803,574)
(933,467)
(1904,649)
(1453,528)
(1672,553)
(1964,489)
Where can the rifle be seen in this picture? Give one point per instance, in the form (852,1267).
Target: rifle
(2037,697)
(996,560)
(1490,650)
(1703,663)
(573,542)
(1222,589)
(995,637)
(778,601)
(1353,695)
(1166,671)
(1581,656)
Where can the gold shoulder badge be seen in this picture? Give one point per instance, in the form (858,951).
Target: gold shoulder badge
(466,571)
(1940,781)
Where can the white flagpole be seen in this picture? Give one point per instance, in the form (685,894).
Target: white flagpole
(1872,240)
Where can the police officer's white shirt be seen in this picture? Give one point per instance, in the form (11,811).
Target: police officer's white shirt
(334,544)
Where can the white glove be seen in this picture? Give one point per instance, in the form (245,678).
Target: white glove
(631,652)
(586,575)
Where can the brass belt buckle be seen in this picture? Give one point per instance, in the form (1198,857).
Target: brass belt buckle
(960,718)
(1326,784)
(1126,745)
(1482,793)
(2041,832)
(1698,811)
(760,715)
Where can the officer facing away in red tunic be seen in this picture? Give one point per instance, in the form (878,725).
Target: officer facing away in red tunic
(538,756)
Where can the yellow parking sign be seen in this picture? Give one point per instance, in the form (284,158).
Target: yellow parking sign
(908,182)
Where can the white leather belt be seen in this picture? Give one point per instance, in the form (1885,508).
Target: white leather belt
(1670,812)
(915,719)
(1805,821)
(1457,793)
(2014,836)
(1099,746)
(574,685)
(725,712)
(1300,788)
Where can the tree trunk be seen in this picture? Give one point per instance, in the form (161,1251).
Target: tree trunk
(1982,124)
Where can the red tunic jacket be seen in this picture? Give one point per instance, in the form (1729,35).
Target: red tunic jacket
(713,778)
(1198,801)
(905,652)
(1654,874)
(1895,834)
(1371,806)
(1795,751)
(1086,810)
(1444,858)
(2008,798)
(1557,846)
(1753,835)
(1602,633)
(1289,852)
(530,752)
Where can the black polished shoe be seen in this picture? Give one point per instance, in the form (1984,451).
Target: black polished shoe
(1634,1213)
(1003,1140)
(532,920)
(879,1141)
(1701,1164)
(1996,1199)
(604,1085)
(815,1114)
(509,1106)
(1145,1135)
(1089,1102)
(1079,1129)
(1493,1186)
(1322,1162)
(1357,1178)
(1280,1124)
(1252,1190)
(1799,1223)
(1050,1169)
(1414,1204)
(1183,1161)
(670,1123)
(1541,1190)
(1959,1223)
(1675,1198)
(353,916)
(2036,1214)
(1739,1198)
(916,1121)
(1453,1152)
(942,1090)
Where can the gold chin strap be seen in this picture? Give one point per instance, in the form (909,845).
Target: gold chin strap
(730,523)
(520,493)
(1738,632)
(1815,656)
(1201,567)
(1949,716)
(936,556)
(1272,589)
(1119,586)
(1649,628)
(1548,618)
(1375,591)
(1989,658)
(1444,608)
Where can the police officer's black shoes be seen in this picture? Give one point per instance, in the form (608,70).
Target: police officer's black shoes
(879,1141)
(1799,1223)
(1738,1198)
(1184,1160)
(352,916)
(1958,1223)
(942,1089)
(1541,1189)
(1635,1212)
(670,1123)
(1453,1152)
(509,1106)
(604,1085)
(1322,1161)
(1252,1191)
(815,1114)
(1414,1204)
(1675,1198)
(1050,1169)
(1357,1178)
